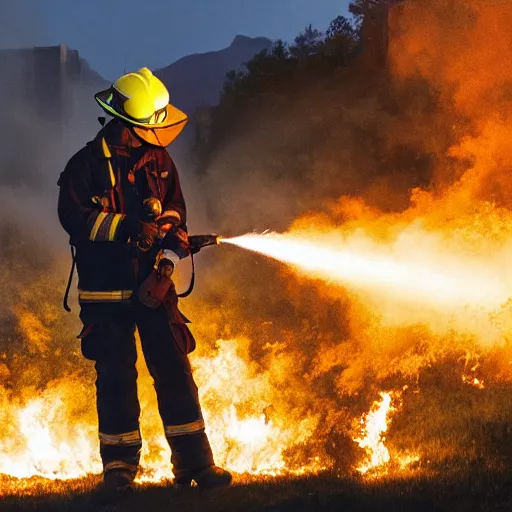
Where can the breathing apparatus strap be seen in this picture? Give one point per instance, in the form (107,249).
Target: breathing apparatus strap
(190,288)
(70,279)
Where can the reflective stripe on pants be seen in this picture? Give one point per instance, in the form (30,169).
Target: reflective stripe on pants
(120,464)
(188,428)
(125,439)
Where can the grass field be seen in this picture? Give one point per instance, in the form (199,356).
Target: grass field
(458,486)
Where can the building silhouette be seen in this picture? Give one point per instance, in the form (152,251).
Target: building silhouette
(44,79)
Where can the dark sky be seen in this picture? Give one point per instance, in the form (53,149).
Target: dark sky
(154,32)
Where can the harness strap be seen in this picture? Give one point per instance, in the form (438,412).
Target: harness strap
(70,279)
(190,288)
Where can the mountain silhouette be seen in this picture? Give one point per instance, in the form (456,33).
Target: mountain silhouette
(196,81)
(44,75)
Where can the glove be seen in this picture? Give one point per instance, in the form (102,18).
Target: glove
(177,242)
(143,234)
(168,220)
(151,209)
(146,236)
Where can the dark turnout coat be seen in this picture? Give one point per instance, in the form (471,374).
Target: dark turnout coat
(102,190)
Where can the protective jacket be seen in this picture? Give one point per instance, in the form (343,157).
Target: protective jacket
(102,190)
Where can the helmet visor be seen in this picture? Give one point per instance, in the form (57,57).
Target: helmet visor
(159,136)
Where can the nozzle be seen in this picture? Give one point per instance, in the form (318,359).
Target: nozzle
(197,242)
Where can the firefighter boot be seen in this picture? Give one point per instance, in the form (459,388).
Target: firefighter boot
(192,460)
(211,477)
(117,480)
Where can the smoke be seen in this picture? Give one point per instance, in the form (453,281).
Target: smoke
(465,54)
(37,339)
(417,157)
(467,60)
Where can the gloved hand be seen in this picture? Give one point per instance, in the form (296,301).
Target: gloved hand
(151,209)
(146,236)
(168,220)
(177,242)
(142,234)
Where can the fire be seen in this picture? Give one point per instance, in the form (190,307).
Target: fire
(473,381)
(411,289)
(235,402)
(373,425)
(248,434)
(469,375)
(244,433)
(413,277)
(44,439)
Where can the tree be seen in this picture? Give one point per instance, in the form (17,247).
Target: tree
(341,40)
(341,27)
(363,8)
(280,50)
(265,72)
(307,43)
(235,80)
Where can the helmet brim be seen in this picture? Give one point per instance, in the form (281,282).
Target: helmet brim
(159,136)
(174,117)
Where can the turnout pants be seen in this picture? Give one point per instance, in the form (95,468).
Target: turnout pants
(110,341)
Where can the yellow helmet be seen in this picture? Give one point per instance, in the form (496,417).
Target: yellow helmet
(142,100)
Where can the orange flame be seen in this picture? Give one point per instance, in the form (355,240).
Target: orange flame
(443,263)
(473,381)
(373,425)
(42,441)
(45,440)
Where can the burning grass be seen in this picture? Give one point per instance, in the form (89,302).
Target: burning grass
(448,427)
(460,486)
(463,438)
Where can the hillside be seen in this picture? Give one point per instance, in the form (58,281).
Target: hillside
(197,80)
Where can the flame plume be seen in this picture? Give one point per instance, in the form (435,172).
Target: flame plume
(409,277)
(42,440)
(371,437)
(373,425)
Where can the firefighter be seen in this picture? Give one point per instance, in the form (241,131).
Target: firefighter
(118,196)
